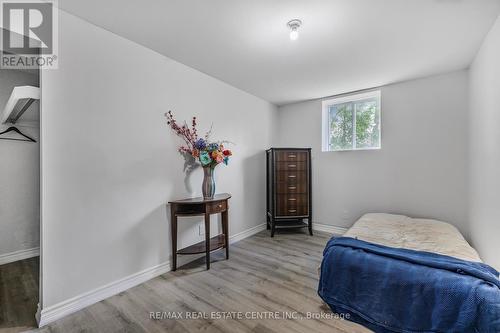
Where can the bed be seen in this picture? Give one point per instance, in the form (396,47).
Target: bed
(393,273)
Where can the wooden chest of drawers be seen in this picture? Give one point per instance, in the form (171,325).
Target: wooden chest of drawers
(289,202)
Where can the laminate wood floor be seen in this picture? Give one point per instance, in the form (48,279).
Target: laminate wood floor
(263,277)
(18,295)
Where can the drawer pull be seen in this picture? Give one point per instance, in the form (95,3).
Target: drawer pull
(292,199)
(292,156)
(292,187)
(292,210)
(292,165)
(292,176)
(220,206)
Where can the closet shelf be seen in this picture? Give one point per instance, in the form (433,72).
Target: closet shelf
(19,101)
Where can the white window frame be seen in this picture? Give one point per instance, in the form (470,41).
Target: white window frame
(325,141)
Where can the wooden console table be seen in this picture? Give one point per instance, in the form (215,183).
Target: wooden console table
(201,207)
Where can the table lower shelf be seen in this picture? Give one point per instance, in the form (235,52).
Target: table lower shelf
(216,242)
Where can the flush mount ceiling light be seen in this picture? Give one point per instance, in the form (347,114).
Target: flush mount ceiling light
(294,26)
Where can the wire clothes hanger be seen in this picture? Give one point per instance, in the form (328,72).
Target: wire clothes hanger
(14,129)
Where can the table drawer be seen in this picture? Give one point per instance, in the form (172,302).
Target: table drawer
(291,156)
(216,207)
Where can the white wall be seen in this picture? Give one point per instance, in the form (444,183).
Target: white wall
(19,176)
(485,148)
(420,170)
(110,162)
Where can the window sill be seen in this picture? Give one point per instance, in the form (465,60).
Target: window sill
(344,150)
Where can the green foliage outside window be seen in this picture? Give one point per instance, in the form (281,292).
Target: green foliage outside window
(355,125)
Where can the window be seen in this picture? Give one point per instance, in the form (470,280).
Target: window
(352,122)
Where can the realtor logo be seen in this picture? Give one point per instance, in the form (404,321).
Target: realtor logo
(28,34)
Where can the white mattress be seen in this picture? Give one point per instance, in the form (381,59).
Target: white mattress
(415,234)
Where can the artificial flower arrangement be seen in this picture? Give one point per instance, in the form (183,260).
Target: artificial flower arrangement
(209,154)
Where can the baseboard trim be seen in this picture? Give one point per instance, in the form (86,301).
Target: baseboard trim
(19,255)
(60,310)
(247,233)
(331,229)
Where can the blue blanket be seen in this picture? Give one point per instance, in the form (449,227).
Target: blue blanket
(398,290)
